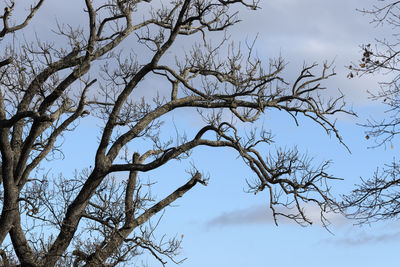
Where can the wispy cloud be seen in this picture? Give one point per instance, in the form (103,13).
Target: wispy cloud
(261,214)
(364,238)
(252,215)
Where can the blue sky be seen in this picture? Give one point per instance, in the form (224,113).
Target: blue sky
(224,226)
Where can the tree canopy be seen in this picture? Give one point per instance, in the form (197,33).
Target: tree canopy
(48,88)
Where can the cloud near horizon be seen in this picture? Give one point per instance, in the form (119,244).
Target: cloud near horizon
(262,215)
(347,235)
(363,238)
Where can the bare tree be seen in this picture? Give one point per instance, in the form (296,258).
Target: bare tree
(377,198)
(46,89)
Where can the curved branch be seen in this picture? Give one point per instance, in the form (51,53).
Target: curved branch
(104,252)
(7,12)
